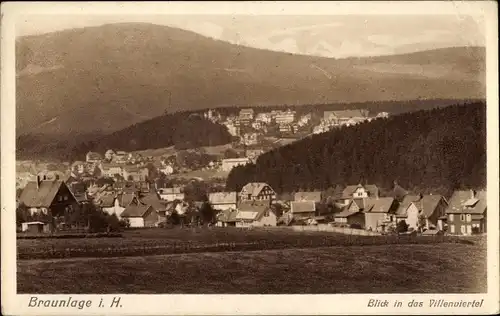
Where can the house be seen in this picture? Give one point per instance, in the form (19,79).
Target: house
(249,139)
(314,196)
(35,227)
(466,212)
(402,214)
(226,218)
(255,214)
(93,157)
(379,212)
(357,192)
(223,200)
(166,169)
(351,215)
(109,154)
(344,115)
(115,204)
(141,213)
(134,173)
(302,209)
(246,114)
(230,163)
(171,194)
(285,117)
(110,170)
(255,191)
(48,197)
(120,157)
(232,129)
(253,154)
(429,208)
(264,118)
(285,128)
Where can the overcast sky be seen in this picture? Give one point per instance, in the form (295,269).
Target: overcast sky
(336,36)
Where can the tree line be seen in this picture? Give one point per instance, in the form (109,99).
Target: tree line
(436,150)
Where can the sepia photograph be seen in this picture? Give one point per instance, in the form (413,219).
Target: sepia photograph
(232,153)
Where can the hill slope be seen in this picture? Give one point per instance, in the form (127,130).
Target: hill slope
(178,129)
(126,73)
(425,151)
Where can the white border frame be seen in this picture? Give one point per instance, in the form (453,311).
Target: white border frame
(354,304)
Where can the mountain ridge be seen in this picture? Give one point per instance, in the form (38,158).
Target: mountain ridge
(136,71)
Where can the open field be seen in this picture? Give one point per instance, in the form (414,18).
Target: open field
(186,240)
(437,268)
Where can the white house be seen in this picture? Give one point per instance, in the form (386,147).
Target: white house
(171,194)
(230,163)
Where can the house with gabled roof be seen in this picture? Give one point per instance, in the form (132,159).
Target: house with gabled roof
(226,218)
(357,192)
(50,197)
(257,191)
(466,212)
(430,208)
(255,214)
(351,215)
(223,200)
(143,211)
(379,212)
(301,210)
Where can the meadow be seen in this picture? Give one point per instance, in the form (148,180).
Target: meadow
(414,268)
(159,241)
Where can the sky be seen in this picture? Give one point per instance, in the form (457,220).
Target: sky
(329,36)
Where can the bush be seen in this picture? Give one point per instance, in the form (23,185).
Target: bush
(402,226)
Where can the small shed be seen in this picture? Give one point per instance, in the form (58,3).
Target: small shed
(35,227)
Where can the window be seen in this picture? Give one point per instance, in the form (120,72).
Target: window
(65,197)
(469,218)
(451,217)
(452,229)
(462,217)
(59,198)
(462,229)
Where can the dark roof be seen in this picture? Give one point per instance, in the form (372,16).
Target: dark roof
(134,210)
(405,203)
(302,206)
(107,200)
(125,198)
(153,200)
(308,196)
(227,216)
(42,195)
(428,204)
(346,213)
(465,202)
(399,193)
(380,205)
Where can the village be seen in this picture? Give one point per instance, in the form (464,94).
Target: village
(142,191)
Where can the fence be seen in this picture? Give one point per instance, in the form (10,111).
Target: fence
(52,252)
(329,228)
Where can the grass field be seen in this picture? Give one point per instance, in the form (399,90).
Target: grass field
(434,268)
(185,240)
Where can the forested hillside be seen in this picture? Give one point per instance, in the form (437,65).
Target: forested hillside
(425,151)
(180,129)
